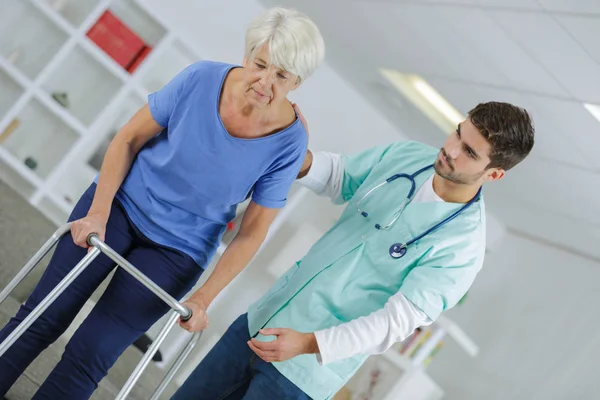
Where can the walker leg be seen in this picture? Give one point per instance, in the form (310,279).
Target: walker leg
(139,369)
(191,344)
(34,261)
(48,300)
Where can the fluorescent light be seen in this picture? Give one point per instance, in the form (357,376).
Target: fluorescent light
(593,109)
(426,98)
(438,101)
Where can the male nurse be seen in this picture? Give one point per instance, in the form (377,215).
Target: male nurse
(407,248)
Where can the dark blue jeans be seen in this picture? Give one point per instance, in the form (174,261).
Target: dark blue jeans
(124,312)
(232,371)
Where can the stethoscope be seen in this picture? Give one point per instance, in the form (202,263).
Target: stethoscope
(398,250)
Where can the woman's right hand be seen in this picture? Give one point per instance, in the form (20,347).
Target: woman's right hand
(93,222)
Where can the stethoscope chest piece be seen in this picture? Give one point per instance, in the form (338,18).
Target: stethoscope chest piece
(397,250)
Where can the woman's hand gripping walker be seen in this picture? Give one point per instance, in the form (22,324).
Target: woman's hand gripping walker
(180,311)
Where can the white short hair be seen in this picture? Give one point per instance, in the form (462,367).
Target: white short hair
(295,43)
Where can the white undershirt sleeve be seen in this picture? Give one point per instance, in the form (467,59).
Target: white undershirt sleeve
(325,175)
(372,334)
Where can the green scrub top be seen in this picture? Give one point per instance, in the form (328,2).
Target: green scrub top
(349,272)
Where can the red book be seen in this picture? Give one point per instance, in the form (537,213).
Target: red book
(138,59)
(116,39)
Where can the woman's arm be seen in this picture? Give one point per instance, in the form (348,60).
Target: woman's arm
(116,164)
(253,230)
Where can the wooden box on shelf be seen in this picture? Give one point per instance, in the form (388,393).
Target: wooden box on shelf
(116,39)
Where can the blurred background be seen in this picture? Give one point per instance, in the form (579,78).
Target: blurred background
(395,70)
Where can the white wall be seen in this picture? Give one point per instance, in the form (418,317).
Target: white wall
(533,312)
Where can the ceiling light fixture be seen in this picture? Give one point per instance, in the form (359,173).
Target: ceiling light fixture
(593,109)
(426,98)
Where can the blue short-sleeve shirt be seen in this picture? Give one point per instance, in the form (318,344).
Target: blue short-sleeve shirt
(185,184)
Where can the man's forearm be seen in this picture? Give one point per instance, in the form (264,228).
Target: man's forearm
(235,258)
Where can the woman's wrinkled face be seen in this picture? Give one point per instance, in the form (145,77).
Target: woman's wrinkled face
(265,83)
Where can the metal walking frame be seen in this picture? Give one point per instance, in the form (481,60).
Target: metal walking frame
(178,309)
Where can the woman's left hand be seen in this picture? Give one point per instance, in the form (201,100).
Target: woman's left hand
(199,320)
(288,344)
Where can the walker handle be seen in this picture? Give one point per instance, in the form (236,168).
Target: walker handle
(187,318)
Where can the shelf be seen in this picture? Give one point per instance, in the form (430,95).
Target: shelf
(74,11)
(28,39)
(9,173)
(87,85)
(56,213)
(40,140)
(97,143)
(139,21)
(11,91)
(83,166)
(376,379)
(402,362)
(124,33)
(458,335)
(173,60)
(68,191)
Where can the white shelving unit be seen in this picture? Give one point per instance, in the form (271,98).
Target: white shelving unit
(41,149)
(398,374)
(11,91)
(63,97)
(74,12)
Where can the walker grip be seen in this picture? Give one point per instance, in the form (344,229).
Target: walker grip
(187,318)
(89,238)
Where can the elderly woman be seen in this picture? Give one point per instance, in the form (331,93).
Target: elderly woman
(169,184)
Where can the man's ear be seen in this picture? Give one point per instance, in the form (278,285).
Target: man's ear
(496,174)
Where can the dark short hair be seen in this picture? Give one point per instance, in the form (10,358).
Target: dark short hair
(509,130)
